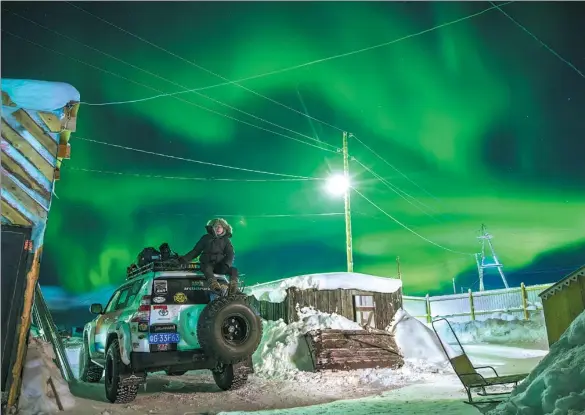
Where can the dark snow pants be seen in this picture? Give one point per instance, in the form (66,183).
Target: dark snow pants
(222,269)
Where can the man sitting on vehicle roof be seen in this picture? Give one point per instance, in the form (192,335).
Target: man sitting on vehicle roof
(216,254)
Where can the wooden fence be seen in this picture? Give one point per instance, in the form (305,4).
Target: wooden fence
(339,301)
(520,301)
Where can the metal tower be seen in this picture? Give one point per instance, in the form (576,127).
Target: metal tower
(480,258)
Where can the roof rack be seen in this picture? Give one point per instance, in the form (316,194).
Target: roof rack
(158,266)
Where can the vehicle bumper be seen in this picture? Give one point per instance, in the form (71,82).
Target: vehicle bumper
(189,360)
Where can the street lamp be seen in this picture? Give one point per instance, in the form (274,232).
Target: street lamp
(338,185)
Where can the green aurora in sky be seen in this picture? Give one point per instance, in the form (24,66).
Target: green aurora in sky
(486,122)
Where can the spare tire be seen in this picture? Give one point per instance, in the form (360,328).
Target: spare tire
(228,329)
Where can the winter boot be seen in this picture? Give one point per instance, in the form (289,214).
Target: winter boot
(216,286)
(233,288)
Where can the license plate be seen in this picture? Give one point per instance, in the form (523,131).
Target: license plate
(163,338)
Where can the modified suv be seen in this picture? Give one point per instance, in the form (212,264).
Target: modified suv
(165,318)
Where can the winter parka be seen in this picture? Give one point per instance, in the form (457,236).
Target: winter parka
(213,249)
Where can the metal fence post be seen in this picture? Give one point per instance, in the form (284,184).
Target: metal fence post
(471,306)
(524,300)
(428,303)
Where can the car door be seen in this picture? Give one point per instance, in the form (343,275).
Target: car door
(110,316)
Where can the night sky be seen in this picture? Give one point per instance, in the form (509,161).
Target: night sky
(477,123)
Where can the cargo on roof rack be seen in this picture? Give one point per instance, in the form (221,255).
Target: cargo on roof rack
(134,271)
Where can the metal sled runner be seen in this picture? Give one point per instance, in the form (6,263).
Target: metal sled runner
(468,375)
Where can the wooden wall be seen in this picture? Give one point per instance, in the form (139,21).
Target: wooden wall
(338,301)
(561,308)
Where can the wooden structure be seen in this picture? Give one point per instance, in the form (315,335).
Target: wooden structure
(352,349)
(368,308)
(562,303)
(38,118)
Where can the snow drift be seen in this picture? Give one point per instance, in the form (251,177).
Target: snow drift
(37,397)
(275,291)
(418,342)
(500,328)
(557,384)
(283,352)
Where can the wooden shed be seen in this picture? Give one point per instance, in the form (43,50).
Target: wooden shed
(370,308)
(38,118)
(562,303)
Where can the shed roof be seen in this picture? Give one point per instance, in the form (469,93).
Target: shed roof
(37,120)
(562,284)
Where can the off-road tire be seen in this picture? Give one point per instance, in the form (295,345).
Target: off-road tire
(175,372)
(88,370)
(116,392)
(231,377)
(211,338)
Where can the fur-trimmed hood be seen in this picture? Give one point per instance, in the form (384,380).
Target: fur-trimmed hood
(223,222)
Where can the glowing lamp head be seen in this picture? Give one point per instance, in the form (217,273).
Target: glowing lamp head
(337,185)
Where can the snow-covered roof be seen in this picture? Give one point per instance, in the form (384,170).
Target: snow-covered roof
(37,120)
(275,291)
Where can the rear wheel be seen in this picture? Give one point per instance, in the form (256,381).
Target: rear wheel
(116,391)
(228,330)
(228,377)
(88,370)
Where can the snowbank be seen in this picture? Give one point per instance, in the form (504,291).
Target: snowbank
(39,95)
(500,328)
(37,396)
(283,352)
(557,384)
(418,342)
(275,291)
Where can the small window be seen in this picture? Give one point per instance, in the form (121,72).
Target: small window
(123,299)
(364,310)
(112,303)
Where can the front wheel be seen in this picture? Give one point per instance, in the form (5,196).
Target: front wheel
(88,370)
(228,377)
(116,391)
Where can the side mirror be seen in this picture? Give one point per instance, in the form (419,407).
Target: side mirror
(96,308)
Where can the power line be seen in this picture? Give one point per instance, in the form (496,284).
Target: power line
(302,65)
(206,163)
(551,50)
(404,195)
(407,228)
(258,216)
(200,179)
(162,78)
(201,67)
(178,98)
(390,165)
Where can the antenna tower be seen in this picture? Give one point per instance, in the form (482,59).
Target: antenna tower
(486,238)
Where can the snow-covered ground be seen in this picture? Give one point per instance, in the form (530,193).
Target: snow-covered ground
(557,384)
(275,291)
(282,384)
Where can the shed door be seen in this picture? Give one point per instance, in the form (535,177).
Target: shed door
(15,263)
(364,310)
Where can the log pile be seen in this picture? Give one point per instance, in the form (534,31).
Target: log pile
(353,349)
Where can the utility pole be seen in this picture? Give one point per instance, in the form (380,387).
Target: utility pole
(485,237)
(346,199)
(398,267)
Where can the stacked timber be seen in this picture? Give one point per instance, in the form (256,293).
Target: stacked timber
(353,349)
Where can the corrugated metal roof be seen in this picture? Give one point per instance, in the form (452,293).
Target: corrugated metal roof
(38,118)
